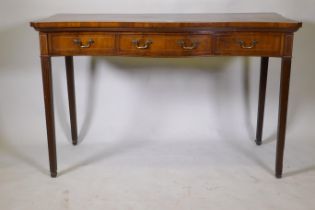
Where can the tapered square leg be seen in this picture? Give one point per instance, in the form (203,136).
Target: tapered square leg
(283,106)
(49,112)
(261,100)
(71,96)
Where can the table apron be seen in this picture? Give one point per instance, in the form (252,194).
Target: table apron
(156,44)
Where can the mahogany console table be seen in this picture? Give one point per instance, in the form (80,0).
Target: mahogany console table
(166,35)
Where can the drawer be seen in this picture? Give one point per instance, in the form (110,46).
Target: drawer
(82,43)
(249,43)
(164,44)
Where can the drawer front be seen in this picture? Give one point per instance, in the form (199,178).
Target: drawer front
(82,43)
(249,43)
(164,44)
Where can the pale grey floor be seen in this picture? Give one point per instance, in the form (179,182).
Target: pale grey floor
(144,163)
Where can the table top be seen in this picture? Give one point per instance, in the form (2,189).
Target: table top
(219,20)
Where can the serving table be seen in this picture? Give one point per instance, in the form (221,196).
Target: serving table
(166,35)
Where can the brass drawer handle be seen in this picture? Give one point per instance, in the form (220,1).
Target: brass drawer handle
(146,44)
(81,45)
(194,45)
(244,46)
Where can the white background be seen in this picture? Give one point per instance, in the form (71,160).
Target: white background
(189,120)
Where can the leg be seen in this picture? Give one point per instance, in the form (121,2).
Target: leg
(283,106)
(71,96)
(49,111)
(261,100)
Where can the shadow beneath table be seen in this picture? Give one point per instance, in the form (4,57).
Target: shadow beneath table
(22,156)
(19,154)
(120,147)
(299,171)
